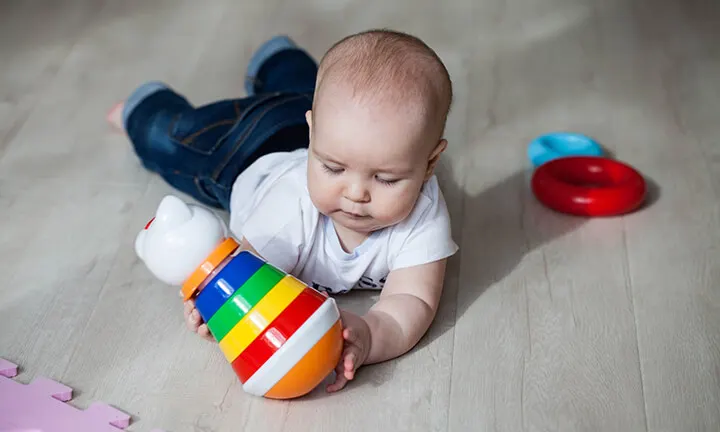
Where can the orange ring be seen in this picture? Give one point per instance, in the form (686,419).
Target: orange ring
(213,260)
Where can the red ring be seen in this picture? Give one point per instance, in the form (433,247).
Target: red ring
(277,333)
(589,186)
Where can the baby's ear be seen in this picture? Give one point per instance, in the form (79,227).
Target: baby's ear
(435,157)
(308,119)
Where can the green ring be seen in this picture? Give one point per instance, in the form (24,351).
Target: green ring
(244,299)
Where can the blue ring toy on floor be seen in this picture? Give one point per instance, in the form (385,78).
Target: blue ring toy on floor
(558,144)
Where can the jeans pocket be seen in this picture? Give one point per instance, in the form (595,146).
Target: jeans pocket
(201,129)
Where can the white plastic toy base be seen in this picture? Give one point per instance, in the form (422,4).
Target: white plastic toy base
(306,336)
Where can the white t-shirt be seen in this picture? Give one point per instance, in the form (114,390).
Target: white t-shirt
(270,206)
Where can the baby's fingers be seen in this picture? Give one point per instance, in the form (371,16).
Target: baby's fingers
(191,324)
(340,379)
(204,332)
(193,320)
(351,336)
(188,307)
(349,365)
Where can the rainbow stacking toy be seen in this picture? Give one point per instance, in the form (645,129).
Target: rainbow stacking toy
(281,336)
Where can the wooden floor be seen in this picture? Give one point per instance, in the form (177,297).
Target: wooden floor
(548,323)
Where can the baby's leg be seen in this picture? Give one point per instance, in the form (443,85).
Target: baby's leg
(175,139)
(281,66)
(118,114)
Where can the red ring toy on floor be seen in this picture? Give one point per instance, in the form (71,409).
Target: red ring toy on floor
(589,186)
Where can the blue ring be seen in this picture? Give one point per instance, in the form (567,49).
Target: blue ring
(559,144)
(228,280)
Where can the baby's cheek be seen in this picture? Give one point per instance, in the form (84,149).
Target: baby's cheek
(321,196)
(395,207)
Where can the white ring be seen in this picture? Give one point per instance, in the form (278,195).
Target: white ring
(294,349)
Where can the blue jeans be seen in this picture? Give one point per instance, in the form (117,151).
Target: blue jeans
(201,150)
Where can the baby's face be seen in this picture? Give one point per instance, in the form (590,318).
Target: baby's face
(367,162)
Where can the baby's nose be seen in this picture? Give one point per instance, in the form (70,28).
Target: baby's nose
(357,192)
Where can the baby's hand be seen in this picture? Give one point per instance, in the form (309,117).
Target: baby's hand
(195,323)
(355,351)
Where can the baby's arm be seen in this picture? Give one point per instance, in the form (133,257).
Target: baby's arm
(406,308)
(395,324)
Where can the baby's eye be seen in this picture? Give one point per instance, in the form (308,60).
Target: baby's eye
(387,182)
(332,170)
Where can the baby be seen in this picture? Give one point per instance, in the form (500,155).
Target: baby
(328,173)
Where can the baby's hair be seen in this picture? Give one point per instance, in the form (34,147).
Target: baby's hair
(387,65)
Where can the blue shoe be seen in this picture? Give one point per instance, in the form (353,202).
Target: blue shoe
(266,50)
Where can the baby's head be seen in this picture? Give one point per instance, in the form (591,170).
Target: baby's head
(376,128)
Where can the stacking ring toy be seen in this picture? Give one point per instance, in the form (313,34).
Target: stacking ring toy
(281,337)
(589,186)
(560,144)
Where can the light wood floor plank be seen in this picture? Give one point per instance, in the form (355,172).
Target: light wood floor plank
(547,323)
(35,39)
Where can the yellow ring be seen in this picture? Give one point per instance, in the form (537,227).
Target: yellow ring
(259,317)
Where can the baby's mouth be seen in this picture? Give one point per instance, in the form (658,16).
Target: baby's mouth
(353,215)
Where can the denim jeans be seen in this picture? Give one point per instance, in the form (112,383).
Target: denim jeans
(201,150)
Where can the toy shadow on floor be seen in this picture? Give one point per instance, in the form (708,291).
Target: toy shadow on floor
(496,229)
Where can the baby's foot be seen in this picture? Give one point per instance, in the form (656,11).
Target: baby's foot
(114,117)
(195,323)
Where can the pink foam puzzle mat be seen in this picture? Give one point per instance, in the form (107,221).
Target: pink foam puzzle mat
(41,406)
